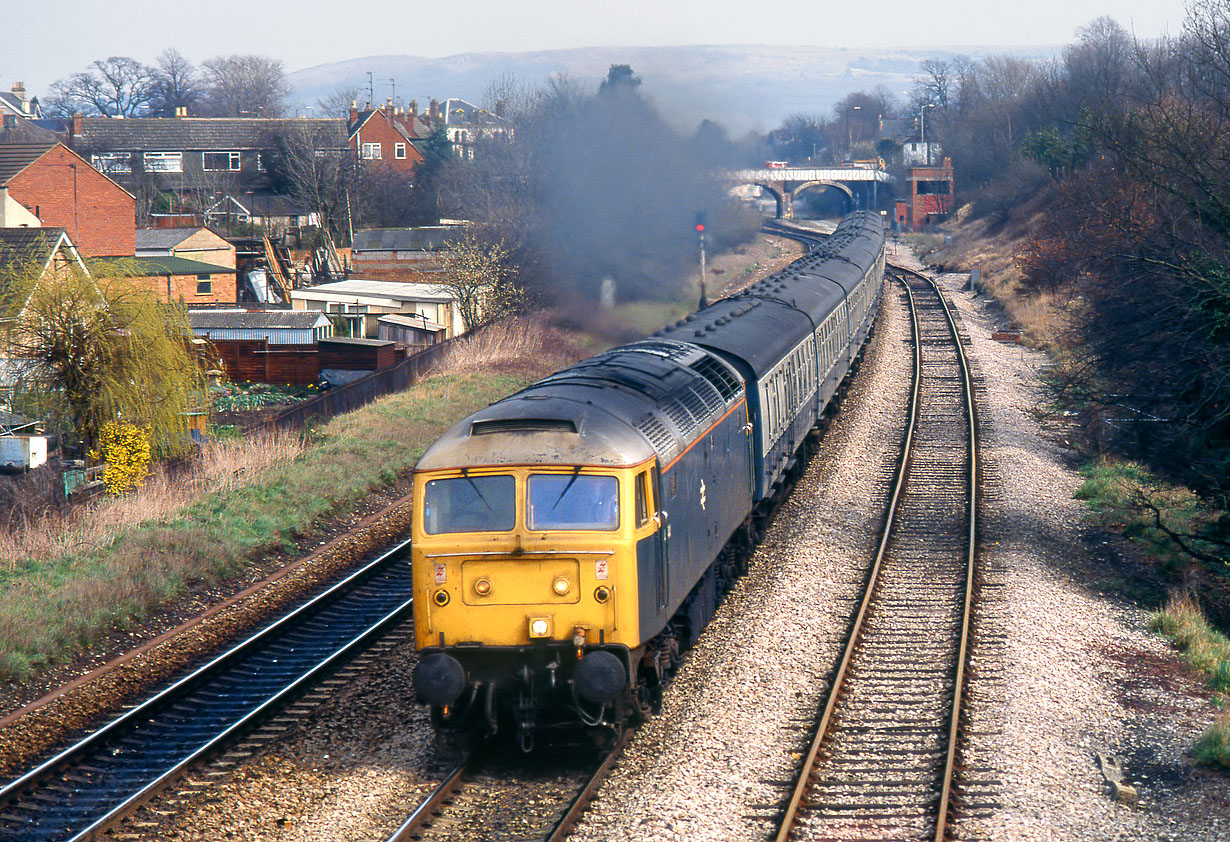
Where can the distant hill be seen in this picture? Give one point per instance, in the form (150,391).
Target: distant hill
(742,87)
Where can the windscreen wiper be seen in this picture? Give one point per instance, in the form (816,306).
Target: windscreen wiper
(575,473)
(465,472)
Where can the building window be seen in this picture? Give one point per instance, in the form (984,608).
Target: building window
(371,152)
(399,151)
(204,286)
(260,161)
(220,161)
(163,161)
(112,162)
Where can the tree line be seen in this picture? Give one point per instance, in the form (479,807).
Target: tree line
(223,86)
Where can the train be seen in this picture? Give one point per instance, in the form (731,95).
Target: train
(571,541)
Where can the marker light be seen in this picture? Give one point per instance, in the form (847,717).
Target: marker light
(482,587)
(440,598)
(540,627)
(560,586)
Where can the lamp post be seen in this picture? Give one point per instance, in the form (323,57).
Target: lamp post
(850,127)
(922,130)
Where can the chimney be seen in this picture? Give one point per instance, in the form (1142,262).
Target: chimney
(433,112)
(77,125)
(354,112)
(181,111)
(388,104)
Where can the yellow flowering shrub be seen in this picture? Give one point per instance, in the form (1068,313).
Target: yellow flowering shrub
(126,451)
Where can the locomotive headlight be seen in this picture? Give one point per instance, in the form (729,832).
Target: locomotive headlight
(482,587)
(540,626)
(561,586)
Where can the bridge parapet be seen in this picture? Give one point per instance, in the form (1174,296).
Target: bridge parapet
(784,183)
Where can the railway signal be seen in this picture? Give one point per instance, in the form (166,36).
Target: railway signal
(700,230)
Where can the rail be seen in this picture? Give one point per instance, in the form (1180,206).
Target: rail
(834,793)
(92,785)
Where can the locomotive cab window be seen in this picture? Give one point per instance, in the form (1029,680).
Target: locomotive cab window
(642,498)
(572,501)
(470,504)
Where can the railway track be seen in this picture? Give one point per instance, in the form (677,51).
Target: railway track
(485,797)
(93,785)
(881,764)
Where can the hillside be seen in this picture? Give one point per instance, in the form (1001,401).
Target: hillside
(742,87)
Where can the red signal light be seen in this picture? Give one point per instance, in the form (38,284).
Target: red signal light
(700,226)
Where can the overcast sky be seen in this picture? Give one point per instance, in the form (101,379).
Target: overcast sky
(53,38)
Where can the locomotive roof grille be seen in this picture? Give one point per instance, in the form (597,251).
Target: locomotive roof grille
(727,385)
(659,436)
(523,425)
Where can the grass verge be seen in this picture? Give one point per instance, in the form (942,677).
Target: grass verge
(1207,651)
(56,602)
(1163,519)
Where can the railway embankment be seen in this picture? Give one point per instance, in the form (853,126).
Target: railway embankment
(191,580)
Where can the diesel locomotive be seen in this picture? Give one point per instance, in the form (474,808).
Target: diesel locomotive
(571,540)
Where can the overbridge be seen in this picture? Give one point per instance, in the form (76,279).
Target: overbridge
(859,183)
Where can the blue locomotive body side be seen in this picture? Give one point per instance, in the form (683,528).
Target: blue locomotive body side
(570,540)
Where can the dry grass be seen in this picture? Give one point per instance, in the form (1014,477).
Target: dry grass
(224,466)
(1203,647)
(102,572)
(509,345)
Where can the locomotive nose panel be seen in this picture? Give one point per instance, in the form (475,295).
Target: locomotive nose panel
(520,582)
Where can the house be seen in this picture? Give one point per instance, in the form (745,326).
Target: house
(14,104)
(466,124)
(197,154)
(356,305)
(191,282)
(387,135)
(28,256)
(48,184)
(194,243)
(401,253)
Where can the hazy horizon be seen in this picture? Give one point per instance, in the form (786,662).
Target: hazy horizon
(310,33)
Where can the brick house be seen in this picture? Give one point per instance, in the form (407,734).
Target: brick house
(387,136)
(194,243)
(49,185)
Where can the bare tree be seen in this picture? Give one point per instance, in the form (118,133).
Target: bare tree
(176,84)
(244,86)
(314,165)
(338,101)
(113,87)
(478,273)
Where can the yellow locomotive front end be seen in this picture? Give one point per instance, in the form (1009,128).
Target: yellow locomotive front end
(528,553)
(526,585)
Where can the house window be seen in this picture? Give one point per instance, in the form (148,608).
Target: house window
(220,161)
(163,161)
(371,152)
(112,162)
(204,286)
(260,161)
(399,151)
